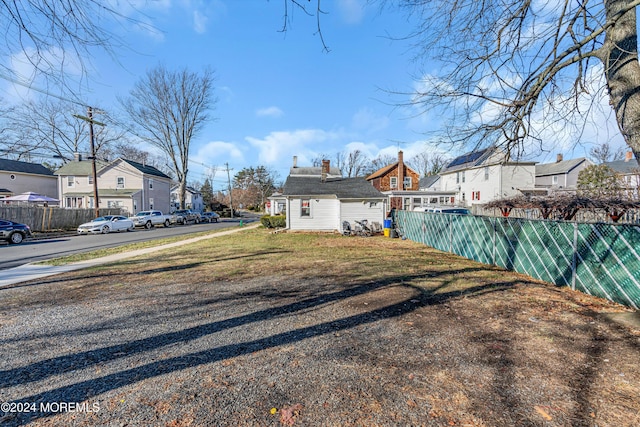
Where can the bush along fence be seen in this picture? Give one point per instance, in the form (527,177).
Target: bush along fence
(597,259)
(42,219)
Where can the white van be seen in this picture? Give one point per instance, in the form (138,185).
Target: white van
(443,209)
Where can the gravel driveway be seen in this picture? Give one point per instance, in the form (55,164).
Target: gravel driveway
(138,345)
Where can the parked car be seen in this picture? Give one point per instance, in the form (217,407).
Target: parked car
(148,219)
(185,216)
(106,224)
(443,209)
(13,232)
(209,217)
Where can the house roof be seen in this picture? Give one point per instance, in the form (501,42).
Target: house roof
(23,167)
(314,171)
(146,169)
(428,181)
(342,188)
(190,189)
(79,168)
(385,170)
(624,167)
(468,160)
(558,168)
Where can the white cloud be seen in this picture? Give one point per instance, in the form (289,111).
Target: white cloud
(280,147)
(272,111)
(367,120)
(211,152)
(352,11)
(199,22)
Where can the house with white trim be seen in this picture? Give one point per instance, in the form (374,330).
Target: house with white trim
(17,177)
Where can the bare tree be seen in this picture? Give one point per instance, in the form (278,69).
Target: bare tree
(167,110)
(507,68)
(605,153)
(356,164)
(53,34)
(507,64)
(427,164)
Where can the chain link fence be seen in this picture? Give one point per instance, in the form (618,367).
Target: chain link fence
(596,258)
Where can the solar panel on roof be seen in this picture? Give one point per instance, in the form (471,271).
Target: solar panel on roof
(467,158)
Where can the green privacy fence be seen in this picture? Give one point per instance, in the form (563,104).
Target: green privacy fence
(597,259)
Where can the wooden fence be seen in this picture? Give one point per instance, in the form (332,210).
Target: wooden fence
(42,219)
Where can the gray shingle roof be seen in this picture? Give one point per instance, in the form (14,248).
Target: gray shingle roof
(428,181)
(24,167)
(80,168)
(624,167)
(556,168)
(342,188)
(146,169)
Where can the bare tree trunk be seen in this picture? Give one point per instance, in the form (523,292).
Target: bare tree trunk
(619,55)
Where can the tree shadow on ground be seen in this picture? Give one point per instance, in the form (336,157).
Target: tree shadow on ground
(83,390)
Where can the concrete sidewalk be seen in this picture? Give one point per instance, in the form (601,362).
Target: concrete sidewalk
(28,272)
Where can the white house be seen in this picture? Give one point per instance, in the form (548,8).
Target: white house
(481,176)
(192,200)
(318,200)
(629,172)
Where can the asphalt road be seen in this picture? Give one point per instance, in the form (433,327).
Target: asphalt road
(38,250)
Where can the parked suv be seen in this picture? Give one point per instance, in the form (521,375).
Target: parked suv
(185,216)
(13,232)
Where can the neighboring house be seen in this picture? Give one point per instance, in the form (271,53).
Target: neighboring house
(318,200)
(276,204)
(481,176)
(122,183)
(18,177)
(562,175)
(401,185)
(192,199)
(629,172)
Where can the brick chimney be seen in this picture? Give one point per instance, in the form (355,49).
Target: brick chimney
(326,166)
(628,156)
(400,171)
(559,158)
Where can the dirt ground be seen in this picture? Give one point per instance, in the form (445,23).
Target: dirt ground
(314,330)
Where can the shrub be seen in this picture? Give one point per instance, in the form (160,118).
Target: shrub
(278,221)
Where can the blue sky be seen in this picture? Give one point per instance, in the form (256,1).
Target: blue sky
(279,94)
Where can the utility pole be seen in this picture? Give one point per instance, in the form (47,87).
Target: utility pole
(89,119)
(229,184)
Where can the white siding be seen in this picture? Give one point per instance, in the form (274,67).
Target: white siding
(356,210)
(325,215)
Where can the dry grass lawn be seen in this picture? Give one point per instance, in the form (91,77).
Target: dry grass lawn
(335,331)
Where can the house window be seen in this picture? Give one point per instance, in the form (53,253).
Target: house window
(71,181)
(120,182)
(114,204)
(150,184)
(407,182)
(90,179)
(457,177)
(393,182)
(486,173)
(305,208)
(475,195)
(12,176)
(462,176)
(554,180)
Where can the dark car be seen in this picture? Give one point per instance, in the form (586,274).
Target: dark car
(185,216)
(13,232)
(209,217)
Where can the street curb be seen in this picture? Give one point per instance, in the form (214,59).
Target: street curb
(32,271)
